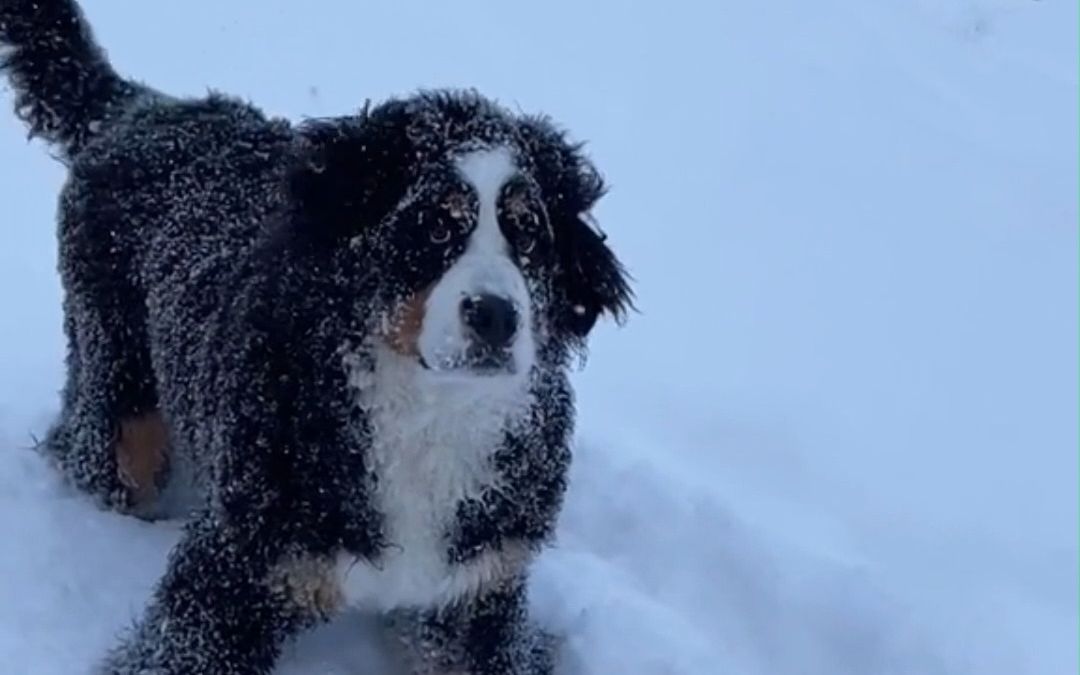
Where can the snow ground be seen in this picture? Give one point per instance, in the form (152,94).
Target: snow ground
(841,438)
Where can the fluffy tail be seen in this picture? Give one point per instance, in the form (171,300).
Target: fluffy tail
(65,89)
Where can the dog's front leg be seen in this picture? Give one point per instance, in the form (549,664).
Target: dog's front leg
(222,608)
(486,634)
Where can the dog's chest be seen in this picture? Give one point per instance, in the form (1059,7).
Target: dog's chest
(431,449)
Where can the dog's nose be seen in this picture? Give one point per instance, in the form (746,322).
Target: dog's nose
(491,319)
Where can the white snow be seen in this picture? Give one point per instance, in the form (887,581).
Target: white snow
(841,438)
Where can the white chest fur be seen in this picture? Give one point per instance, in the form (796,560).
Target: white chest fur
(434,435)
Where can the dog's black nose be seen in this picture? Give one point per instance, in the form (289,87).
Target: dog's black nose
(491,319)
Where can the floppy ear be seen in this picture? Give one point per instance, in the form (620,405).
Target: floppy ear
(589,277)
(347,173)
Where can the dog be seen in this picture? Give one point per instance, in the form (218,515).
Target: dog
(355,332)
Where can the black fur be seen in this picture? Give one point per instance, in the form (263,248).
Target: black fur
(215,265)
(589,275)
(64,86)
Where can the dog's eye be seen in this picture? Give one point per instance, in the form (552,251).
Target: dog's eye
(519,203)
(440,234)
(522,216)
(454,212)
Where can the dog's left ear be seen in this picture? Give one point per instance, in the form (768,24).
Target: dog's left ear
(593,279)
(589,276)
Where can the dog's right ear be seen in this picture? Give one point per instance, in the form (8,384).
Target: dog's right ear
(346,174)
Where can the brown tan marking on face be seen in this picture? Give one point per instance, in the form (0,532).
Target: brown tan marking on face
(141,452)
(310,583)
(403,331)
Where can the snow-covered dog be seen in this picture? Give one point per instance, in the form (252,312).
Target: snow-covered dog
(356,331)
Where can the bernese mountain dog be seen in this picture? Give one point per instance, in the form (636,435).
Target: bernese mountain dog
(353,334)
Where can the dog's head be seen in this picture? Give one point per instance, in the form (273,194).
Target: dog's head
(474,223)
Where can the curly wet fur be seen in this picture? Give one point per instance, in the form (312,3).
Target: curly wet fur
(222,268)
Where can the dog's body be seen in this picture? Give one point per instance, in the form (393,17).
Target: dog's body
(355,331)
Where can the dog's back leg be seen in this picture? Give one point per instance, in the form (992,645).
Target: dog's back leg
(110,439)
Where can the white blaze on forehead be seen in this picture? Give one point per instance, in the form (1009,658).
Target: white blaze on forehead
(487,171)
(485,266)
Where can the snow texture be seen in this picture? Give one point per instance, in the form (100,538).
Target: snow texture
(841,436)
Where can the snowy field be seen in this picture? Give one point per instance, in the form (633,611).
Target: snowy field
(841,436)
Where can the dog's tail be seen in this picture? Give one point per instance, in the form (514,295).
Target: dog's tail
(65,89)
